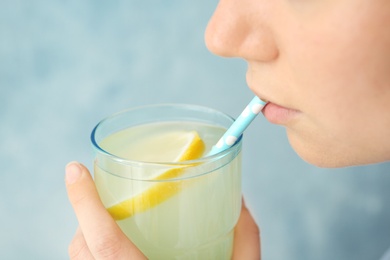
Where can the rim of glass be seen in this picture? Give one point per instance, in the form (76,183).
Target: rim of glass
(126,161)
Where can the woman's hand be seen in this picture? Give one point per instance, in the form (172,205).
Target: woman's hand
(246,237)
(99,237)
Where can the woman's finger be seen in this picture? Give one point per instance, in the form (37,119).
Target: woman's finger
(102,235)
(246,237)
(78,249)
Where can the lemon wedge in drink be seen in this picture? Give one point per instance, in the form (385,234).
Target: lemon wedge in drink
(180,147)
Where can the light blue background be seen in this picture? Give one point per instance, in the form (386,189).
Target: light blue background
(64,65)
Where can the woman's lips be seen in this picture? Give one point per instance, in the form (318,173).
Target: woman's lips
(279,115)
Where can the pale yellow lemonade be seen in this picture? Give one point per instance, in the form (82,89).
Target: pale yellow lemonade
(190,217)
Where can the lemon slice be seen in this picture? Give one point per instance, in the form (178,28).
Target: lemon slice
(183,146)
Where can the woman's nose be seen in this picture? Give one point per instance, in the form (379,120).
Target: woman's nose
(239,29)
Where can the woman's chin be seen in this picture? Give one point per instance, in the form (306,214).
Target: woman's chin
(322,155)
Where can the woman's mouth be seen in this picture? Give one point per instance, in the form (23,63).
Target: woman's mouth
(279,115)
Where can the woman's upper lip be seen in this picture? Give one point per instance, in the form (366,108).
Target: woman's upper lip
(272,101)
(270,98)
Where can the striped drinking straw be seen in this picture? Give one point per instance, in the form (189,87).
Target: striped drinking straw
(240,124)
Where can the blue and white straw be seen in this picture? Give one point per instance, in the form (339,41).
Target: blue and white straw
(240,124)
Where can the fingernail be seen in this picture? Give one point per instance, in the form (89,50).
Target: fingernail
(72,172)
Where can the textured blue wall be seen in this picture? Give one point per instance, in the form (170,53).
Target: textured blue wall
(66,64)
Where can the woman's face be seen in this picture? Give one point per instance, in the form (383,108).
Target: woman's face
(324,66)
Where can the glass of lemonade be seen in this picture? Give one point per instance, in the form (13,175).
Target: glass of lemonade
(169,209)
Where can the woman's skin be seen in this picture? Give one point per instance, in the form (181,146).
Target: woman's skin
(324,66)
